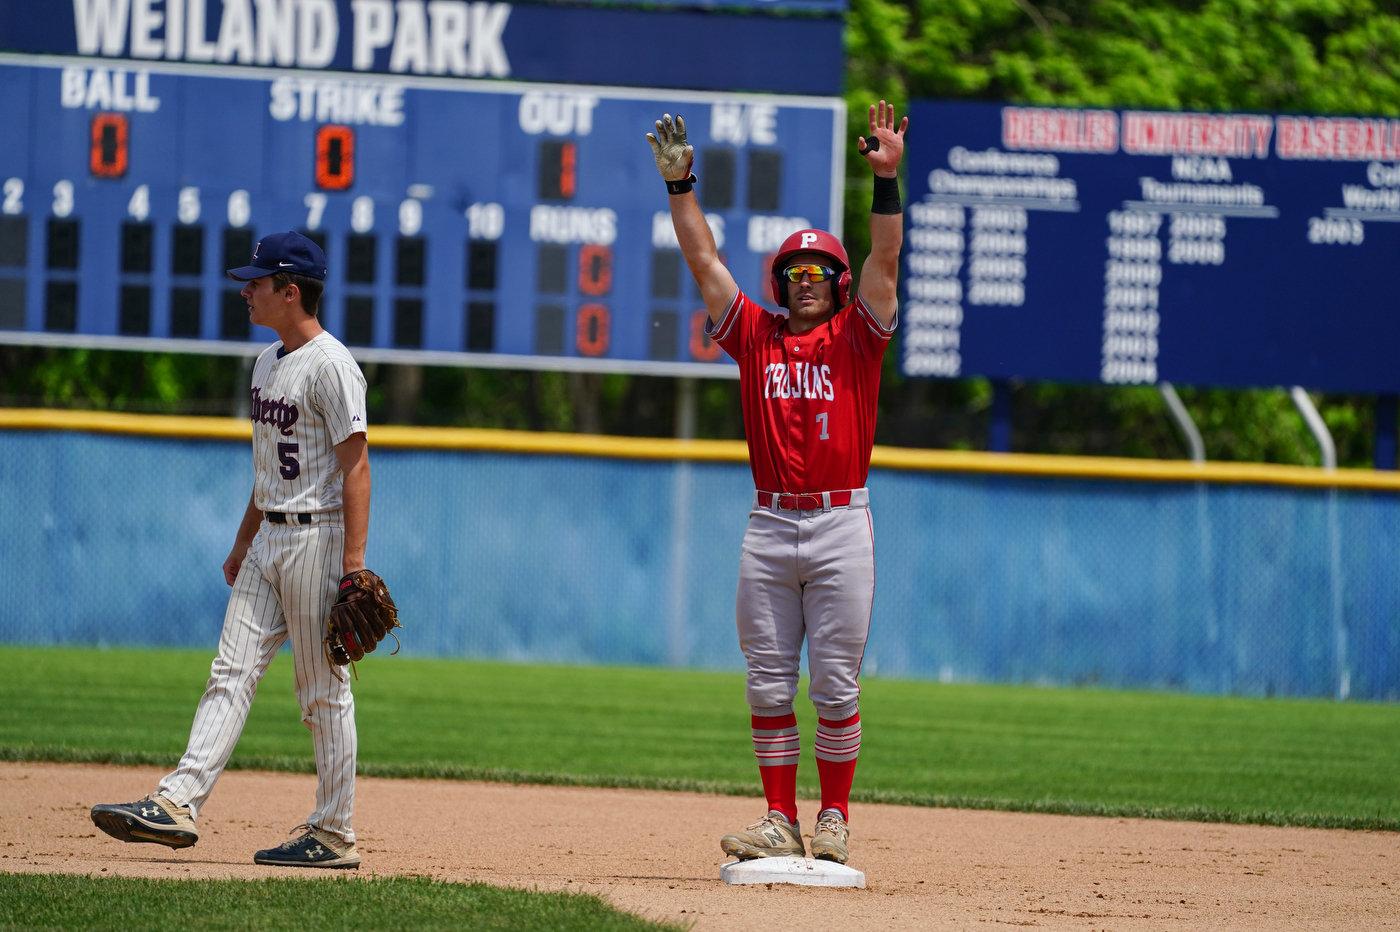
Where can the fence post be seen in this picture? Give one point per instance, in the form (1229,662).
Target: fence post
(678,608)
(1385,431)
(999,438)
(1334,537)
(1183,421)
(1304,403)
(243,392)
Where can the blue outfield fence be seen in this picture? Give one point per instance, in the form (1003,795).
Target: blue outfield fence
(1217,588)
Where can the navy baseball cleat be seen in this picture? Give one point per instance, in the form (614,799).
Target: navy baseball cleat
(154,819)
(314,848)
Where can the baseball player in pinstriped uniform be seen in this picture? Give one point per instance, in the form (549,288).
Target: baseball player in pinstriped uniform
(809,382)
(305,525)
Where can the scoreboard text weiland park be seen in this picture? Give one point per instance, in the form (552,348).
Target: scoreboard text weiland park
(1136,246)
(611,45)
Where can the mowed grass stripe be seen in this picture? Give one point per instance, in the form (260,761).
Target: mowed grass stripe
(1084,751)
(435,771)
(77,903)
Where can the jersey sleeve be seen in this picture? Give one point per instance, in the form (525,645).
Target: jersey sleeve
(339,395)
(868,335)
(735,330)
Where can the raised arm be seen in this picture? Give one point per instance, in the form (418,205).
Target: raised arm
(673,159)
(879,276)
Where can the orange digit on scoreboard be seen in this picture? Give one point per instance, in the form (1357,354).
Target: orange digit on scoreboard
(108,155)
(593,325)
(702,348)
(335,157)
(568,170)
(595,270)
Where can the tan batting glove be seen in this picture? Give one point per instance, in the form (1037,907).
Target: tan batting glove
(673,156)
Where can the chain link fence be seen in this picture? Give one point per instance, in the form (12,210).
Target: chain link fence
(1232,589)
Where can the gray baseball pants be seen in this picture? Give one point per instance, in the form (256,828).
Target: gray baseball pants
(806,574)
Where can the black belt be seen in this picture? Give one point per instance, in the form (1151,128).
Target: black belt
(278,517)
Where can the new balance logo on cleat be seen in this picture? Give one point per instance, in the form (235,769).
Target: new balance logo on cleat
(773,836)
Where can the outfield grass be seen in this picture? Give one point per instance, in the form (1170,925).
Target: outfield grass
(1021,748)
(76,903)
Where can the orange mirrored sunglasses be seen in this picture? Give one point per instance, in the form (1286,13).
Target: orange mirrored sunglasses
(817,273)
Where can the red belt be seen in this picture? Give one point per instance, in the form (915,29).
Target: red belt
(811,501)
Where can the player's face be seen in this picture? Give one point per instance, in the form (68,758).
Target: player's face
(810,302)
(266,305)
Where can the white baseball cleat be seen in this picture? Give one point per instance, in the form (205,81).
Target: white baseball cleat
(772,836)
(831,842)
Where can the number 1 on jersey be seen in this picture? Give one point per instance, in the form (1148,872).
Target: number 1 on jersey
(822,419)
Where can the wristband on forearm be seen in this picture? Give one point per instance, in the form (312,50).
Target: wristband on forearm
(682,186)
(885,199)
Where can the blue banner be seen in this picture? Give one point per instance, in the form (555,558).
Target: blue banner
(451,38)
(1131,247)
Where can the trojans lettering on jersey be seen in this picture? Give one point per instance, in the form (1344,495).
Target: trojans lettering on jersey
(809,399)
(798,380)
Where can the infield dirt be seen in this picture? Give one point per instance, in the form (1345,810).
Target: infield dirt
(657,854)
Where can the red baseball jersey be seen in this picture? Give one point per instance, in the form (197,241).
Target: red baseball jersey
(809,399)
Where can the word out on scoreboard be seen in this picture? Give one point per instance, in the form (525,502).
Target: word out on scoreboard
(1136,247)
(494,220)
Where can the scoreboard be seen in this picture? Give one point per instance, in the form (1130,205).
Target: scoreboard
(465,222)
(1133,246)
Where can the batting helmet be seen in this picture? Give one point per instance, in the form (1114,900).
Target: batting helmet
(818,241)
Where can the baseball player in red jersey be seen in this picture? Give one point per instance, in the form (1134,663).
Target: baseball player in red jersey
(809,381)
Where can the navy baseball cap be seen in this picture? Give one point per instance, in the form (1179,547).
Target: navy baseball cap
(283,252)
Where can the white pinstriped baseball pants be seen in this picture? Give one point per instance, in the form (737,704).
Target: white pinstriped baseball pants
(283,592)
(806,574)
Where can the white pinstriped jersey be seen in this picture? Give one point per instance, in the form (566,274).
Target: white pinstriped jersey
(304,403)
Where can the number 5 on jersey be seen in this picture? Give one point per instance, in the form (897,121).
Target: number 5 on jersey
(290,468)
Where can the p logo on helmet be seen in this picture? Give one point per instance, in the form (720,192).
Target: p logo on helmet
(818,241)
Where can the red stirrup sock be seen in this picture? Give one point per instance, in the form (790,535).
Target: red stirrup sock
(837,747)
(776,745)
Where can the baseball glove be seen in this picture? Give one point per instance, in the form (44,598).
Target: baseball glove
(363,614)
